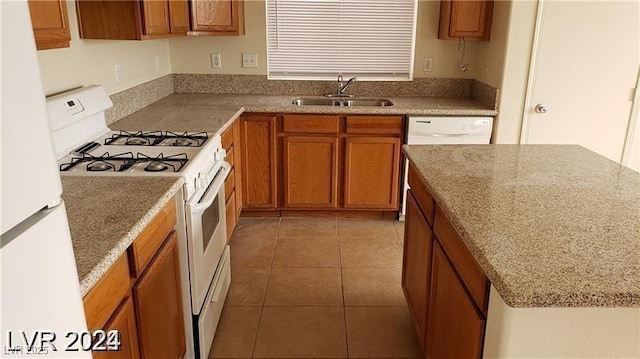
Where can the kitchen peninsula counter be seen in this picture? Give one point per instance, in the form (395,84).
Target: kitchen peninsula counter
(214,112)
(550,225)
(106,214)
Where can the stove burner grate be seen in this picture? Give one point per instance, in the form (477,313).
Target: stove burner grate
(157,138)
(124,161)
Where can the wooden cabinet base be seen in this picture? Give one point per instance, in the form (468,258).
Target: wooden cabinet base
(124,321)
(159,305)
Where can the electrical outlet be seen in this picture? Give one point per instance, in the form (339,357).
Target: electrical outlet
(428,64)
(116,69)
(249,60)
(157,63)
(487,66)
(216,61)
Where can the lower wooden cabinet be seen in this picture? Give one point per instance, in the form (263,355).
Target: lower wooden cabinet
(259,171)
(416,265)
(372,167)
(455,326)
(148,314)
(231,215)
(446,291)
(159,305)
(124,321)
(310,171)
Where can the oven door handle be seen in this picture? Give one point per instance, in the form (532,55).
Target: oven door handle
(212,192)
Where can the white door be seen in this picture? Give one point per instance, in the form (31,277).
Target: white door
(584,73)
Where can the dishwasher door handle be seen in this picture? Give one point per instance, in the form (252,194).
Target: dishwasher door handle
(448,134)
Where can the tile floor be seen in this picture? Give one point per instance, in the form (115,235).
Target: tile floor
(315,288)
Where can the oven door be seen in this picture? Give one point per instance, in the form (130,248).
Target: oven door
(206,232)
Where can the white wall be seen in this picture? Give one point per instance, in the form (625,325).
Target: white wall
(192,55)
(518,40)
(560,332)
(92,61)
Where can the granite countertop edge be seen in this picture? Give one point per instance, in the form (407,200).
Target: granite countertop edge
(510,296)
(91,278)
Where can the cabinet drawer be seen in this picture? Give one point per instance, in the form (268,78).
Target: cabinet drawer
(231,156)
(466,266)
(146,245)
(227,138)
(423,197)
(105,297)
(229,184)
(387,125)
(311,124)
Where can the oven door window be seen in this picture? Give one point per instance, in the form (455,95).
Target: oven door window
(210,222)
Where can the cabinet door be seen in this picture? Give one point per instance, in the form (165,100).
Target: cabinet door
(416,266)
(156,17)
(455,328)
(372,166)
(158,302)
(470,19)
(223,17)
(178,16)
(310,172)
(230,211)
(259,178)
(238,165)
(124,321)
(50,23)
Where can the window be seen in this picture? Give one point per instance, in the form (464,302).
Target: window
(317,39)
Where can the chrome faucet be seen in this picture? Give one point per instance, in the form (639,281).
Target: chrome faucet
(342,86)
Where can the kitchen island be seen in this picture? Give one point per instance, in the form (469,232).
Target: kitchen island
(554,234)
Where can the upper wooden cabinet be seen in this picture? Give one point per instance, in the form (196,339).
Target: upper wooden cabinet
(132,20)
(469,19)
(217,17)
(50,23)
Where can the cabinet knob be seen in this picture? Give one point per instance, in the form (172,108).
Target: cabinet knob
(541,108)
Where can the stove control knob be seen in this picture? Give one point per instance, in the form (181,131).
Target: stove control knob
(202,181)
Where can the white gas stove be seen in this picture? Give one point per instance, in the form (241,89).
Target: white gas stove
(85,146)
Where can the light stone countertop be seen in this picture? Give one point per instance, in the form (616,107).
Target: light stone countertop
(550,225)
(107,213)
(214,113)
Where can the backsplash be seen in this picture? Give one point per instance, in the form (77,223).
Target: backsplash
(260,85)
(131,100)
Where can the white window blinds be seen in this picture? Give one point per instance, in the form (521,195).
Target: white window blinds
(317,39)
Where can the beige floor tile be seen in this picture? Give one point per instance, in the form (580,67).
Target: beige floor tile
(301,332)
(370,254)
(307,253)
(307,227)
(248,286)
(236,333)
(251,252)
(257,227)
(370,229)
(372,287)
(304,286)
(380,332)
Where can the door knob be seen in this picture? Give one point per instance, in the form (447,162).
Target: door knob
(540,108)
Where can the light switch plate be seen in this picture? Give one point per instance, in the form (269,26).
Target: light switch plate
(428,64)
(249,60)
(216,61)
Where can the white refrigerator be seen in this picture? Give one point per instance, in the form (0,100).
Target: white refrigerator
(40,301)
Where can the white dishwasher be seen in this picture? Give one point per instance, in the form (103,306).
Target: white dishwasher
(444,131)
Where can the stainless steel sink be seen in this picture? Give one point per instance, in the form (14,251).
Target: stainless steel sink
(312,101)
(369,102)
